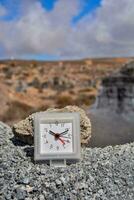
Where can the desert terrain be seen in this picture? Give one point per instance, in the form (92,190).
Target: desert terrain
(102,173)
(29,86)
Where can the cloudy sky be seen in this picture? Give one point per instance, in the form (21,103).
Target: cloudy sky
(66,29)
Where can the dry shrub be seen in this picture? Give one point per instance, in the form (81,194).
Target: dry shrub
(86,90)
(12,64)
(17,111)
(84,99)
(64,100)
(33,64)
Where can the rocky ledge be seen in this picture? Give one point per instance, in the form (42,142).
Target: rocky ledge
(103,173)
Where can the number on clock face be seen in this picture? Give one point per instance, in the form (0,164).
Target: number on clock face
(56,137)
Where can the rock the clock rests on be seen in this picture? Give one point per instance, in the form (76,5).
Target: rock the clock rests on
(57,137)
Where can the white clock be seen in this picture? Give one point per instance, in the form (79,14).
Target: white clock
(57,137)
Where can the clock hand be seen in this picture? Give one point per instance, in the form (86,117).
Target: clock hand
(63,142)
(64,132)
(52,133)
(68,141)
(57,136)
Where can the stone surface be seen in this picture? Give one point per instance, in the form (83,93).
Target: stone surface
(112,115)
(103,173)
(24,129)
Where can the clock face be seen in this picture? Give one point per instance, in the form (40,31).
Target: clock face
(56,137)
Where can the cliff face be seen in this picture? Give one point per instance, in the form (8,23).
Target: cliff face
(117,91)
(112,116)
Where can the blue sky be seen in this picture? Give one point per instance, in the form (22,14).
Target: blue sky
(66,29)
(13,7)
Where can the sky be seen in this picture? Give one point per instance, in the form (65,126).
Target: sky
(66,29)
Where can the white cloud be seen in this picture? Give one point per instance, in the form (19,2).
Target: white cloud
(109,31)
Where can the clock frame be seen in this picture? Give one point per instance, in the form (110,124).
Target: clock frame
(53,117)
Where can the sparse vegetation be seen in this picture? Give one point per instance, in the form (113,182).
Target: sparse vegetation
(85,100)
(64,100)
(51,84)
(16,110)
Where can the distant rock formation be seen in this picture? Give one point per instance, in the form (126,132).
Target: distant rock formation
(117,91)
(112,115)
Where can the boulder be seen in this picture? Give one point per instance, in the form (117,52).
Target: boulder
(24,130)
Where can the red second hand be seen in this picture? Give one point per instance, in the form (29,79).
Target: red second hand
(61,140)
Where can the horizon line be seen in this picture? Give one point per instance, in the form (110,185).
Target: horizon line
(64,60)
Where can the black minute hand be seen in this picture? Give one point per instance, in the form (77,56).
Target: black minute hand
(64,132)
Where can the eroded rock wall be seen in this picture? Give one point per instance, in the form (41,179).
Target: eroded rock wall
(112,115)
(117,90)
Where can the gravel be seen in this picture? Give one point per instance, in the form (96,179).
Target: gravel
(103,173)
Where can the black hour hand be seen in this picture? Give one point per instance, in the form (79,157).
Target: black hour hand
(52,133)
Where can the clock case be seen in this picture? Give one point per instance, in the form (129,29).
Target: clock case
(47,117)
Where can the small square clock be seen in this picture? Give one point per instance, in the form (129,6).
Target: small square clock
(57,136)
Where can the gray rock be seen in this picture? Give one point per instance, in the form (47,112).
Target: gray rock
(41,197)
(24,181)
(58,182)
(23,130)
(20,193)
(43,171)
(112,115)
(81,186)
